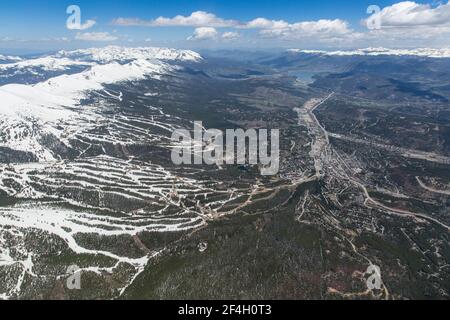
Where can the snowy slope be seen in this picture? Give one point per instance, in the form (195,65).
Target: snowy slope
(29,111)
(99,177)
(41,100)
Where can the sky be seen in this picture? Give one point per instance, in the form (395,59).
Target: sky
(33,25)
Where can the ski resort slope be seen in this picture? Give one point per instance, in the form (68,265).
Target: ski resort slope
(41,107)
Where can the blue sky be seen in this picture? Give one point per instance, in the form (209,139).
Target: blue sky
(41,25)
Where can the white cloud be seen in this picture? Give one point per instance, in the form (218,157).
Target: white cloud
(205,19)
(207,23)
(60,39)
(409,24)
(204,33)
(196,19)
(263,23)
(336,26)
(230,35)
(321,28)
(95,36)
(409,13)
(405,24)
(87,25)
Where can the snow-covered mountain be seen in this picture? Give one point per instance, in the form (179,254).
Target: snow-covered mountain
(85,137)
(420,52)
(9,59)
(29,111)
(121,54)
(31,71)
(46,63)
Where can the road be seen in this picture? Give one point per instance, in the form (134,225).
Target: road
(326,159)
